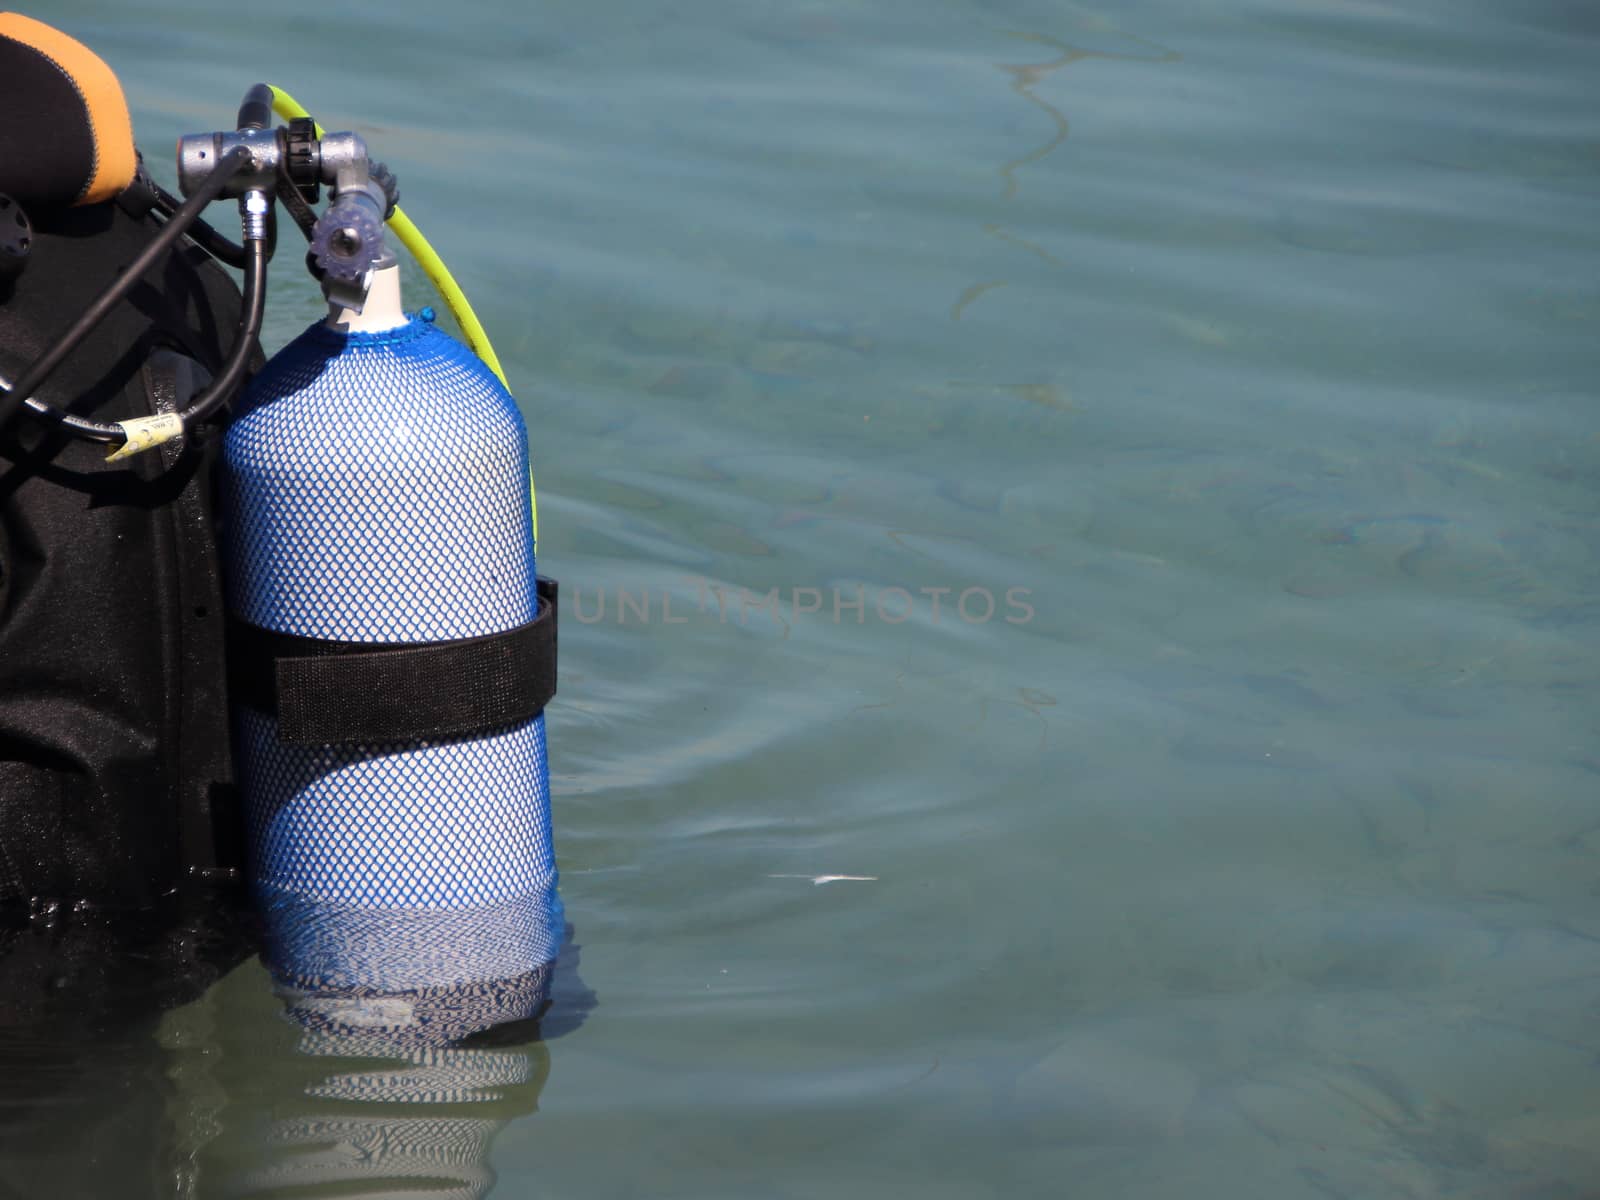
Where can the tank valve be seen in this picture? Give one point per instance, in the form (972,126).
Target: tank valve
(346,245)
(347,241)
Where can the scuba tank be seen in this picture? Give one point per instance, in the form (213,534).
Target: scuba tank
(391,649)
(380,566)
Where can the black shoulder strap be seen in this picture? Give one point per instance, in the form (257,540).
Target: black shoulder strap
(333,693)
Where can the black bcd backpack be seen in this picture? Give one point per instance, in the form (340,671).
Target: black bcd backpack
(115,777)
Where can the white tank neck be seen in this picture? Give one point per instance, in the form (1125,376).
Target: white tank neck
(382,310)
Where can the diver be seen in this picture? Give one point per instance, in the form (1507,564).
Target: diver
(337,706)
(274,659)
(115,776)
(121,856)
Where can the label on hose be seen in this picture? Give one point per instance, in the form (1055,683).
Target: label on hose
(145,433)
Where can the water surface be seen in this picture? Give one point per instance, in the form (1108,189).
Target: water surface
(1251,345)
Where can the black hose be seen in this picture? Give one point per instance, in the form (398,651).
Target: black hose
(255,110)
(89,431)
(202,234)
(222,387)
(39,370)
(250,316)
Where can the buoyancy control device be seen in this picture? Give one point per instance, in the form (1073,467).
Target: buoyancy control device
(390,648)
(115,772)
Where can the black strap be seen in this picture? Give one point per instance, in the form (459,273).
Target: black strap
(331,693)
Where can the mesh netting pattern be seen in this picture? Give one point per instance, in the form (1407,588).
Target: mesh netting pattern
(376,491)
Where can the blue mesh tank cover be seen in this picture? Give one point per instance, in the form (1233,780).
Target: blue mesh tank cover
(376,492)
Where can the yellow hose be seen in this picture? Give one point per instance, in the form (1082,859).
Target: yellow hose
(438,274)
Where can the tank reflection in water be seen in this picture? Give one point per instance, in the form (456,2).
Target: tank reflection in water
(283,1091)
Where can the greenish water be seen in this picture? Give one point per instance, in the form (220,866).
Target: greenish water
(1252,344)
